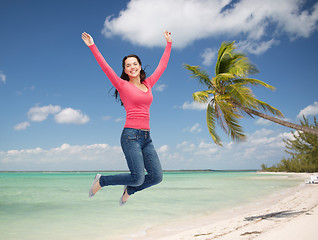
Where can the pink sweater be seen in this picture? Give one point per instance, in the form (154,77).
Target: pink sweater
(136,102)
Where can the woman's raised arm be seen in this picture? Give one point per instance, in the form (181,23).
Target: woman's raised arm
(163,61)
(115,80)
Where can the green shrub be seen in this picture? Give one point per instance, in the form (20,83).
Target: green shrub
(303,151)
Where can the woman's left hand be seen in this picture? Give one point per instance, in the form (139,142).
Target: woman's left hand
(167,36)
(88,40)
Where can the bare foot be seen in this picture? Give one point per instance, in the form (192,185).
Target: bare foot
(96,187)
(125,196)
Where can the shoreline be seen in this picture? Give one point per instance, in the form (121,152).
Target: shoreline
(93,171)
(275,217)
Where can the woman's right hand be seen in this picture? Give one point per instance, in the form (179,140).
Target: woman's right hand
(88,40)
(167,36)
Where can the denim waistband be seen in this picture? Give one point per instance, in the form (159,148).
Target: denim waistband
(145,130)
(143,136)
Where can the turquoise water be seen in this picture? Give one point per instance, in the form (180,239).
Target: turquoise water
(56,205)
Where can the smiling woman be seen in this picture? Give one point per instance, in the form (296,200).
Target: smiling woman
(136,96)
(132,70)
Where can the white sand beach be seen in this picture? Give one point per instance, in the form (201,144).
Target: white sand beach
(292,215)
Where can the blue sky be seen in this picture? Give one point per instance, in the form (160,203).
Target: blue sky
(56,109)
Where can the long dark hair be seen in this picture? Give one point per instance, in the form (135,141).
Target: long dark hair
(124,76)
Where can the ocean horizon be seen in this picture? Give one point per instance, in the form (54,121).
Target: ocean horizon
(55,205)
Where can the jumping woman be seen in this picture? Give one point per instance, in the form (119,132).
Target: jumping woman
(134,89)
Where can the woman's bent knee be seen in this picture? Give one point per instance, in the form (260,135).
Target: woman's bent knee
(157,179)
(137,180)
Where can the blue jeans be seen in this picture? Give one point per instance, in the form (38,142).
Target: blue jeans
(140,155)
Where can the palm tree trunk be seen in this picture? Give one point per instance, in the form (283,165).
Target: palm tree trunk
(277,120)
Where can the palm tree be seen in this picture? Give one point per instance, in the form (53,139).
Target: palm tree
(229,97)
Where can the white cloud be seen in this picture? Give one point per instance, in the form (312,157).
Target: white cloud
(39,114)
(268,139)
(29,88)
(21,126)
(3,78)
(160,87)
(163,149)
(310,110)
(207,149)
(186,146)
(194,106)
(209,55)
(256,47)
(265,122)
(65,157)
(105,118)
(66,115)
(262,146)
(191,20)
(119,119)
(26,89)
(262,121)
(69,115)
(194,129)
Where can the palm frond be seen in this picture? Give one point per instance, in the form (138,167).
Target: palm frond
(223,107)
(240,66)
(254,82)
(266,107)
(224,103)
(219,116)
(199,74)
(229,119)
(225,76)
(222,79)
(201,96)
(225,52)
(210,119)
(245,98)
(235,130)
(241,94)
(229,61)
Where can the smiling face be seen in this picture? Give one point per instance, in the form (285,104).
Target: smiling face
(132,67)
